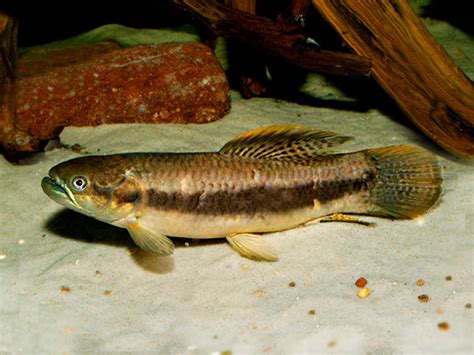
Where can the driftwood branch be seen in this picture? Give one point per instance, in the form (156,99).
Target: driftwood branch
(8,63)
(410,65)
(249,6)
(248,69)
(262,34)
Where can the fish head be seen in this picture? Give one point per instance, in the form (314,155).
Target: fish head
(101,187)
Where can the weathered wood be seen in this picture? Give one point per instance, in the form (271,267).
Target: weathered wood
(299,7)
(6,69)
(247,67)
(410,65)
(249,6)
(261,33)
(8,62)
(294,18)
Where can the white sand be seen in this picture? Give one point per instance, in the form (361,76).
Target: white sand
(207,298)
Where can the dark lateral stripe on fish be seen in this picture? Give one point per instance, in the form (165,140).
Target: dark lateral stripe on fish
(257,199)
(128,196)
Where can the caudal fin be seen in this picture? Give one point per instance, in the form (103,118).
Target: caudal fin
(408,181)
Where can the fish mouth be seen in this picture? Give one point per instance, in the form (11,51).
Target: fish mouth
(58,192)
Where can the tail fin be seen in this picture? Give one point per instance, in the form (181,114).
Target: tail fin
(408,181)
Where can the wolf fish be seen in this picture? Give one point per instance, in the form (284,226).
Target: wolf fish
(266,180)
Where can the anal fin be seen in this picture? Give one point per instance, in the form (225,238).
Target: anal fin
(252,246)
(150,241)
(340,217)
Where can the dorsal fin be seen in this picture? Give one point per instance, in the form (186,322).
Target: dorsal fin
(288,142)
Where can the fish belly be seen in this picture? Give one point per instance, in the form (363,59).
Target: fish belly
(179,224)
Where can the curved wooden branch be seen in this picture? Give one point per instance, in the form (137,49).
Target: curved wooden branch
(9,136)
(410,65)
(261,33)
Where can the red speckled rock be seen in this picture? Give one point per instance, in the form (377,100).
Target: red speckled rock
(42,60)
(167,83)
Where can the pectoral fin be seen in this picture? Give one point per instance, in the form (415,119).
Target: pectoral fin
(252,246)
(150,241)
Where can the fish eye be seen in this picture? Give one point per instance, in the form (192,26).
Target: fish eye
(79,183)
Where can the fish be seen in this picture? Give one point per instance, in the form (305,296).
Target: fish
(266,180)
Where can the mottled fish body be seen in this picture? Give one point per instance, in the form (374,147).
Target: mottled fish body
(266,180)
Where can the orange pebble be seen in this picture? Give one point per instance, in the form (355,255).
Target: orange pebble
(361,282)
(64,289)
(443,326)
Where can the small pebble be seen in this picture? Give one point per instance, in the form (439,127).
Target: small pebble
(468,306)
(312,312)
(77,148)
(77,262)
(186,244)
(244,267)
(64,289)
(424,298)
(332,344)
(420,282)
(98,273)
(2,256)
(107,293)
(292,284)
(364,292)
(361,282)
(448,278)
(69,330)
(21,241)
(443,326)
(260,293)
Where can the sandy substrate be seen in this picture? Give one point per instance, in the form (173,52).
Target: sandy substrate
(71,284)
(209,299)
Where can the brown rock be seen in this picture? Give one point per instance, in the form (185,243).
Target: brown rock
(92,85)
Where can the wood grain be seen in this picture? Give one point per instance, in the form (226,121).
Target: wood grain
(410,65)
(9,136)
(262,34)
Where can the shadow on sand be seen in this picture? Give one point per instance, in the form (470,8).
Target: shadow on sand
(72,225)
